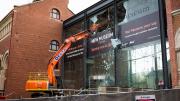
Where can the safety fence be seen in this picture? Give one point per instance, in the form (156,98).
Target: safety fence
(159,95)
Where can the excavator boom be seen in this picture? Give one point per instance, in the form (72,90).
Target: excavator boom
(43,85)
(60,53)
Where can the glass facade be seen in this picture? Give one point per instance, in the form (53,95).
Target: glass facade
(134,63)
(139,60)
(73,60)
(101,71)
(140,66)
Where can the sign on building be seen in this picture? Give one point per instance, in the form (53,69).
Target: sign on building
(76,51)
(100,43)
(141,23)
(145,98)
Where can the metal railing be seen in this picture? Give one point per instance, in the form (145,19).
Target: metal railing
(38,76)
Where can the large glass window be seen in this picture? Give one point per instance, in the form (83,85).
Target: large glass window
(75,28)
(74,74)
(74,59)
(101,21)
(139,57)
(100,61)
(140,66)
(101,70)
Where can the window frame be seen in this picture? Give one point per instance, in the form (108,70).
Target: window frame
(55,14)
(54,43)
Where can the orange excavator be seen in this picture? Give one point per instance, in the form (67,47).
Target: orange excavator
(46,82)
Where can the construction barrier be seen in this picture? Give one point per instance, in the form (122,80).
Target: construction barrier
(156,95)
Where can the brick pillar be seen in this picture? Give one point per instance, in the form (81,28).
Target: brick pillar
(174,69)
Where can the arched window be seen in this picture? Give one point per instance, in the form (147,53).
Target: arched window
(54,45)
(55,14)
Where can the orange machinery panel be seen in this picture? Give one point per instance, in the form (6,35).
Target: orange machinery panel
(33,85)
(37,81)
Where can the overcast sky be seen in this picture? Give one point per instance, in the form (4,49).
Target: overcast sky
(75,5)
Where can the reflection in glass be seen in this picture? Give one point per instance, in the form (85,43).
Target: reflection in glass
(101,21)
(100,61)
(74,66)
(139,65)
(75,28)
(130,10)
(101,70)
(73,74)
(138,58)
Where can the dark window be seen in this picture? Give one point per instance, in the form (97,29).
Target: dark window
(121,12)
(74,61)
(74,28)
(54,45)
(55,14)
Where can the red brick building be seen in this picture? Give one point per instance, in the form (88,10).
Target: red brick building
(173,21)
(29,36)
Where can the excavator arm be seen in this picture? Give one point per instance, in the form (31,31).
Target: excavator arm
(60,53)
(42,84)
(57,57)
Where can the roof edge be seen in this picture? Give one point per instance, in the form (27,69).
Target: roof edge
(7,15)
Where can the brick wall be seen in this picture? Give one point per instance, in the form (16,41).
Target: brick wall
(32,32)
(176,4)
(173,21)
(176,25)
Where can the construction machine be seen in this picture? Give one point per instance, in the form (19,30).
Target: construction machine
(39,82)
